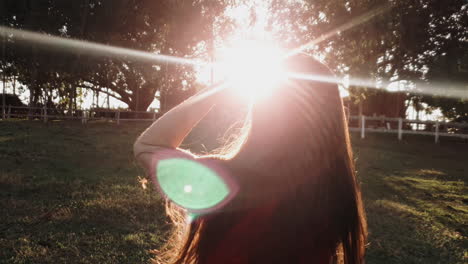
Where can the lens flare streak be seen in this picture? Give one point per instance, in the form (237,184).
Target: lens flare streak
(459,90)
(90,48)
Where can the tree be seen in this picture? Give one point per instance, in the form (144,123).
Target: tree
(394,46)
(448,67)
(177,28)
(449,71)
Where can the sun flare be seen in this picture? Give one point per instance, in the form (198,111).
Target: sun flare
(251,68)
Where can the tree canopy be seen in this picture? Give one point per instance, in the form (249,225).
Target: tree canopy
(402,43)
(176,28)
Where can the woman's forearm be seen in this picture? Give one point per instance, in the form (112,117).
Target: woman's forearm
(170,130)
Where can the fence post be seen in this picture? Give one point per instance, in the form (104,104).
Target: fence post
(9,112)
(400,128)
(44,114)
(83,117)
(363,126)
(436,132)
(154,116)
(118,117)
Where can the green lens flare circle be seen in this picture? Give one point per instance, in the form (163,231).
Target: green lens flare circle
(191,184)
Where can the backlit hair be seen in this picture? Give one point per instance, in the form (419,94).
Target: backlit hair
(295,168)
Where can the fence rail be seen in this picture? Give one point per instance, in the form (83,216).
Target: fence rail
(400,126)
(361,124)
(47,114)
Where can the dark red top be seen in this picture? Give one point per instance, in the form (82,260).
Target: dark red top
(254,224)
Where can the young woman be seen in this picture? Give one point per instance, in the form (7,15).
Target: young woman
(297,199)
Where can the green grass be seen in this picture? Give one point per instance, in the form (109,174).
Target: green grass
(416,199)
(70,194)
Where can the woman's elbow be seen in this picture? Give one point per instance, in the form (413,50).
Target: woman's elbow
(140,147)
(137,148)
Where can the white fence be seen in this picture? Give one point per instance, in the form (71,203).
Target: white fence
(47,114)
(361,124)
(400,126)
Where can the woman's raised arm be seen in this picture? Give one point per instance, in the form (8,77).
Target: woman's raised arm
(170,130)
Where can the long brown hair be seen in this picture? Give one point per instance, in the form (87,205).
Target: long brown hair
(295,167)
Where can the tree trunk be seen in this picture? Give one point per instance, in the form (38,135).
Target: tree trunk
(14,85)
(33,89)
(96,94)
(140,102)
(70,100)
(417,118)
(108,98)
(4,96)
(49,98)
(4,80)
(74,98)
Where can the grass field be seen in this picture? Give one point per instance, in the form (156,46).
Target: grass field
(70,194)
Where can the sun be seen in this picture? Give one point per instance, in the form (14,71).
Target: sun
(253,69)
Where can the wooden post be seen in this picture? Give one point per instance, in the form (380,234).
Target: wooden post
(436,132)
(363,126)
(400,128)
(9,112)
(118,117)
(44,112)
